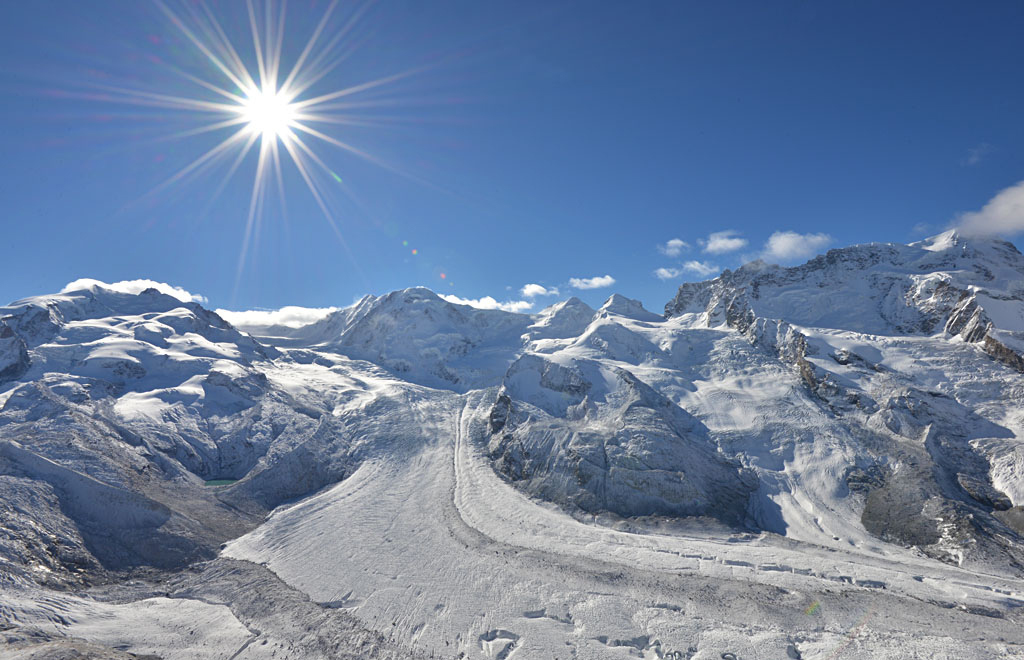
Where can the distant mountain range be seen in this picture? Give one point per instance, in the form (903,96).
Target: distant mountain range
(865,407)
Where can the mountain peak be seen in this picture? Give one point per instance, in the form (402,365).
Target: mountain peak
(939,242)
(563,319)
(413,294)
(628,307)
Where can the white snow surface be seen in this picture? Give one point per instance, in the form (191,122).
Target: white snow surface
(175,629)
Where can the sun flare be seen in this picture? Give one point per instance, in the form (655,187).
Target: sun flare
(260,105)
(268,113)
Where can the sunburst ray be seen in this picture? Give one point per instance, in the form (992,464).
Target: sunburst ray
(266,104)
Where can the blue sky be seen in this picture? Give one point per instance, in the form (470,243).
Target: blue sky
(557,144)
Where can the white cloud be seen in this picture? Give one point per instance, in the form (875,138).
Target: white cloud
(674,247)
(1002,215)
(488,302)
(591,282)
(533,290)
(720,242)
(791,246)
(290,317)
(134,287)
(701,268)
(976,154)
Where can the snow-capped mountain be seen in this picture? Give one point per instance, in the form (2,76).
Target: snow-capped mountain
(409,476)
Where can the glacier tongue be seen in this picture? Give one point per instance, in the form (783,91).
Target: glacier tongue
(842,436)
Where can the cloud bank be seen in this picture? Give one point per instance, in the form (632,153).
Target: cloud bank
(488,302)
(534,290)
(134,287)
(702,268)
(699,268)
(591,282)
(1003,215)
(289,317)
(721,242)
(785,246)
(673,247)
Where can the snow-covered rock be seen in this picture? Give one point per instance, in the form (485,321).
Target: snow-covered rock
(562,320)
(877,288)
(599,439)
(417,336)
(14,360)
(623,306)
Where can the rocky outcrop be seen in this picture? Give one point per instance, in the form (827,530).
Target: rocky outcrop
(969,321)
(601,441)
(1003,353)
(14,358)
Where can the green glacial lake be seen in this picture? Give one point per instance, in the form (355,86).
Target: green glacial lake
(220,482)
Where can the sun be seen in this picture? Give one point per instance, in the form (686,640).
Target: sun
(266,108)
(268,113)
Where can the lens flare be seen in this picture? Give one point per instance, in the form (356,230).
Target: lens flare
(268,113)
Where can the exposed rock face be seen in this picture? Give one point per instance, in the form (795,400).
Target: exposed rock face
(14,360)
(602,440)
(968,319)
